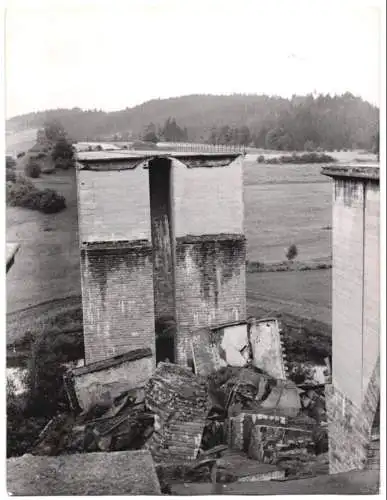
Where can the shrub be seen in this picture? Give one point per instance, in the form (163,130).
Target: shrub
(301,373)
(62,149)
(64,164)
(10,175)
(33,170)
(21,431)
(50,201)
(10,162)
(41,155)
(309,146)
(23,193)
(261,159)
(45,380)
(292,252)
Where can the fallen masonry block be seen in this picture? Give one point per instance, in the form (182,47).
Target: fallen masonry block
(284,398)
(214,348)
(100,383)
(266,441)
(238,467)
(266,345)
(180,403)
(114,473)
(236,344)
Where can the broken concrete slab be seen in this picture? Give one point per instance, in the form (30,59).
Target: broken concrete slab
(266,345)
(180,403)
(237,344)
(239,467)
(214,348)
(114,473)
(100,383)
(283,398)
(350,483)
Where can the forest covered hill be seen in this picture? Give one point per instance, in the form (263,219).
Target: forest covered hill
(298,123)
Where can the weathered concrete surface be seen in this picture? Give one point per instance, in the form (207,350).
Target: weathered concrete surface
(356,291)
(283,399)
(371,318)
(208,201)
(267,348)
(214,349)
(352,399)
(111,377)
(244,469)
(114,473)
(350,483)
(113,205)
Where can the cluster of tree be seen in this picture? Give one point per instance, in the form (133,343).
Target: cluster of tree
(62,151)
(299,123)
(169,132)
(231,135)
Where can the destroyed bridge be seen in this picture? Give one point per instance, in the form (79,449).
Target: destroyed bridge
(176,377)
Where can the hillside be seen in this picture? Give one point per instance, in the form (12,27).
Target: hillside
(338,122)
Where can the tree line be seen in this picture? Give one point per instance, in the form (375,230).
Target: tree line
(298,123)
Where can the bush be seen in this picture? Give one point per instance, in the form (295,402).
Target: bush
(261,159)
(64,164)
(23,193)
(33,170)
(41,155)
(45,381)
(50,202)
(309,146)
(21,430)
(292,252)
(302,158)
(63,150)
(10,175)
(301,373)
(10,162)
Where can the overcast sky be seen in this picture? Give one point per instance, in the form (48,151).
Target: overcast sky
(111,55)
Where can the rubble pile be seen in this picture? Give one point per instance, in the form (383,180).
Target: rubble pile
(225,424)
(125,425)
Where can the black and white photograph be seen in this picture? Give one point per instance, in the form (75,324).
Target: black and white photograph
(194,240)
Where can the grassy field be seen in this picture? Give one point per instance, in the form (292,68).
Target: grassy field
(47,264)
(305,294)
(287,204)
(283,204)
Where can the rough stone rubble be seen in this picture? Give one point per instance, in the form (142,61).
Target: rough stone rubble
(223,423)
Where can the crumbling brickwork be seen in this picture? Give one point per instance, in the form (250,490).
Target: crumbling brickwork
(349,426)
(266,440)
(210,285)
(185,219)
(118,307)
